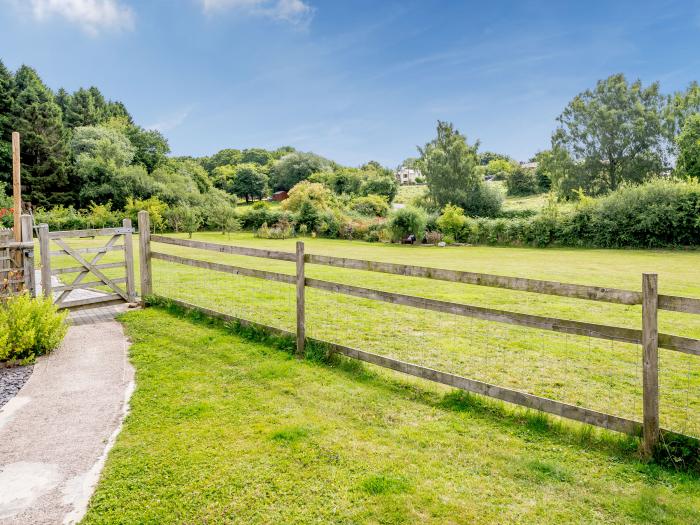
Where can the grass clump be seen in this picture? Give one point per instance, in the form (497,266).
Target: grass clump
(377,484)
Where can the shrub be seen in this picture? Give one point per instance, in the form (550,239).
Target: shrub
(308,216)
(382,184)
(6,210)
(314,193)
(329,224)
(371,205)
(521,182)
(281,230)
(61,218)
(484,201)
(660,213)
(656,214)
(153,205)
(452,221)
(406,221)
(102,216)
(29,328)
(255,216)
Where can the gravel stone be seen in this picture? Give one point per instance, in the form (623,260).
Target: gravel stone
(11,380)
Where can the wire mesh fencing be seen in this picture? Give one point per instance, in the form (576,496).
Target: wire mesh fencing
(575,366)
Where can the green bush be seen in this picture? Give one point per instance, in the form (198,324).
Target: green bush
(61,218)
(521,182)
(29,328)
(253,217)
(371,205)
(484,201)
(452,221)
(6,219)
(406,221)
(658,214)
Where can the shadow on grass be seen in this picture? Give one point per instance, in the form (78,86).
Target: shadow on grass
(676,454)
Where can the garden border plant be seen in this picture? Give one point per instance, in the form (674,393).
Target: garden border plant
(29,327)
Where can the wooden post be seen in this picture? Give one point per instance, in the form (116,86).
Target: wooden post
(301,283)
(129,261)
(45,260)
(145,256)
(16,187)
(650,346)
(28,236)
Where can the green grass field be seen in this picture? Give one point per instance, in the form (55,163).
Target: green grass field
(584,371)
(407,193)
(225,430)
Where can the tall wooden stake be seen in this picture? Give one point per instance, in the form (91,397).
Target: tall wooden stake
(301,284)
(650,345)
(16,187)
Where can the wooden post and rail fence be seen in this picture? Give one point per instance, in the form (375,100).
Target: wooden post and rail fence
(648,337)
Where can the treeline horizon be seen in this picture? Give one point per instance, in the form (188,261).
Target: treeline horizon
(80,148)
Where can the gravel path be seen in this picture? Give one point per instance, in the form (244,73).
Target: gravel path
(11,380)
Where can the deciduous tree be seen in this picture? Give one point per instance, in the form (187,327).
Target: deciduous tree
(615,132)
(688,141)
(449,166)
(248,182)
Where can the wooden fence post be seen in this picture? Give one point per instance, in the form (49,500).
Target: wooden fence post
(16,187)
(650,346)
(145,256)
(129,261)
(28,236)
(301,284)
(45,260)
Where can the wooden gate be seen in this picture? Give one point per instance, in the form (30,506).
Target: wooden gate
(120,289)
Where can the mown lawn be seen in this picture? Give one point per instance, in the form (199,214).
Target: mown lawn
(224,430)
(584,371)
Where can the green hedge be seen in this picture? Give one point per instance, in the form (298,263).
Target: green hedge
(659,214)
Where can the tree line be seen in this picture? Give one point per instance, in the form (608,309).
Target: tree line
(617,133)
(81,150)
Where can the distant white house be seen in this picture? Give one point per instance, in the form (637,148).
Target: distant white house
(407,175)
(529,165)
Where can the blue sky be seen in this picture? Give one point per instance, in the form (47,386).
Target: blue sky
(350,80)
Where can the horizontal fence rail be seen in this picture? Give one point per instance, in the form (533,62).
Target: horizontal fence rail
(95,232)
(223,248)
(648,337)
(225,268)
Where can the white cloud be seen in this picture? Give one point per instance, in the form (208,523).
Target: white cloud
(171,121)
(296,12)
(93,16)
